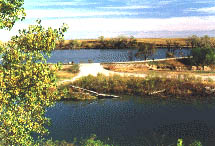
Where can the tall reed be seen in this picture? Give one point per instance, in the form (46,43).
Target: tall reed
(183,86)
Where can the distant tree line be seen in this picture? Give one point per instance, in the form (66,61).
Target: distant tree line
(202,48)
(120,42)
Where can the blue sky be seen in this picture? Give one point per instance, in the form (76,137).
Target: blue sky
(111,18)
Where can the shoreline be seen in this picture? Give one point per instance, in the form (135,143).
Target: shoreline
(125,42)
(95,77)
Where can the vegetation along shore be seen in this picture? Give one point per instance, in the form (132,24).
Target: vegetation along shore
(185,81)
(30,86)
(123,42)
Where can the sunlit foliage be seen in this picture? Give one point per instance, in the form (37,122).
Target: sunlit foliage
(10,12)
(27,84)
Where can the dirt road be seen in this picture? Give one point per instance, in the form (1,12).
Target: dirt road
(95,68)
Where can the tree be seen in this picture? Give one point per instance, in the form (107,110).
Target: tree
(205,42)
(10,12)
(145,50)
(194,41)
(203,56)
(102,43)
(170,49)
(132,42)
(101,39)
(121,42)
(27,84)
(203,50)
(74,44)
(168,44)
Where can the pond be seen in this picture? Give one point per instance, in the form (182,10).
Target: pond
(105,55)
(134,121)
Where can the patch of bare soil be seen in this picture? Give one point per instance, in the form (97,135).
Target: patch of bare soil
(168,68)
(128,68)
(169,65)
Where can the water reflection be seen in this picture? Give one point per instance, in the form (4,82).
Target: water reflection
(133,121)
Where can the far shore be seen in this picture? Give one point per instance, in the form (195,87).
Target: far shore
(91,43)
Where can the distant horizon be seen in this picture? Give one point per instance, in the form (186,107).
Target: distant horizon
(177,35)
(89,19)
(141,37)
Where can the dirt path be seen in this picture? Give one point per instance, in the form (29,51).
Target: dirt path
(95,68)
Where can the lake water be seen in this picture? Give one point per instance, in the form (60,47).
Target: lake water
(134,121)
(104,55)
(128,121)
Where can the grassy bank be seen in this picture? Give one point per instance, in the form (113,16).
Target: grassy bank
(121,43)
(181,87)
(67,72)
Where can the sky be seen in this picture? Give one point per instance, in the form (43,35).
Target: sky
(112,18)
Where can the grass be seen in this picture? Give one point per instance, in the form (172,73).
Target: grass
(181,41)
(144,66)
(184,87)
(162,41)
(171,68)
(91,43)
(67,72)
(71,68)
(77,96)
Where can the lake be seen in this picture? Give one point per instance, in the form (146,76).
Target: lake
(104,55)
(134,121)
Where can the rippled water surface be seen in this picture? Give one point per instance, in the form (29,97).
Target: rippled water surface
(134,121)
(104,55)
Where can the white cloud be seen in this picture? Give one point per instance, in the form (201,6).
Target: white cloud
(165,2)
(71,13)
(128,24)
(57,3)
(74,3)
(127,7)
(100,26)
(204,1)
(210,10)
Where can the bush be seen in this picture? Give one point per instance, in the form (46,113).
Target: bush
(203,56)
